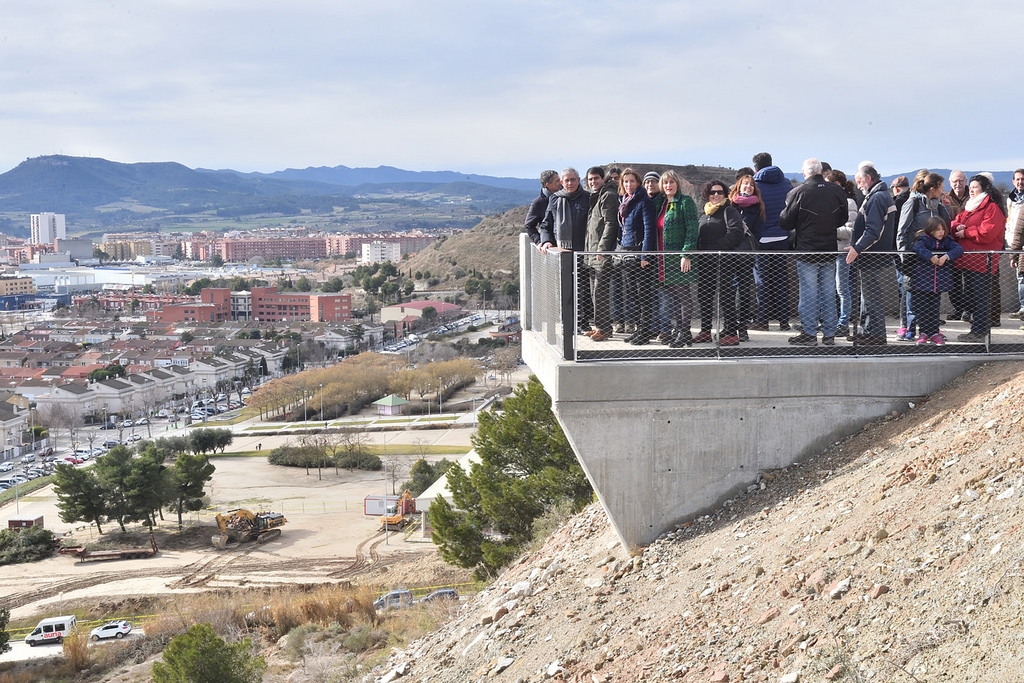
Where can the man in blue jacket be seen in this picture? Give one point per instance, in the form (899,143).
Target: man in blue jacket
(771,273)
(872,233)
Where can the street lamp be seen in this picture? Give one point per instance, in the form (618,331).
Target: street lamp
(322,403)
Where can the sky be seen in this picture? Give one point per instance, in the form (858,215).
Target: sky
(512,88)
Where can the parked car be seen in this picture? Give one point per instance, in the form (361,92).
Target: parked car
(442,594)
(112,629)
(395,598)
(31,457)
(110,443)
(6,466)
(46,452)
(72,460)
(134,437)
(142,421)
(127,423)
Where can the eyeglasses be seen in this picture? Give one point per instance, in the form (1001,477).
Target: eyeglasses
(721,192)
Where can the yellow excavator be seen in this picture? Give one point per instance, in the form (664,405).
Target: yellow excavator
(398,515)
(242,526)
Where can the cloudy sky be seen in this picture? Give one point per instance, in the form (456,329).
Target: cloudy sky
(509,88)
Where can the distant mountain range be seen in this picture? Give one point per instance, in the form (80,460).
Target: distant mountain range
(100,194)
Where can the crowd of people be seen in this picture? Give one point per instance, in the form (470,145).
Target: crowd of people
(648,245)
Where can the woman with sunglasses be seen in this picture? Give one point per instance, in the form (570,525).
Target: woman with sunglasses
(720,229)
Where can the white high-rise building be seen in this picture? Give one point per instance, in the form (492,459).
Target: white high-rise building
(47,227)
(379,252)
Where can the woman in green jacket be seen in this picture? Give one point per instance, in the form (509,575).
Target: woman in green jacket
(677,231)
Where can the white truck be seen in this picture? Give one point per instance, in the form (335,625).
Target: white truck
(52,630)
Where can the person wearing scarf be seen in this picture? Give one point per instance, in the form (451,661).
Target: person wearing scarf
(980,227)
(745,196)
(638,234)
(1015,235)
(720,229)
(677,218)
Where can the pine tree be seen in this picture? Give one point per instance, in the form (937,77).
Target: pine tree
(526,468)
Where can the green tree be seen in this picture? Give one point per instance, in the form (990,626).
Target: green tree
(526,468)
(303,284)
(202,441)
(190,474)
(147,486)
(187,337)
(423,474)
(200,656)
(112,471)
(5,637)
(79,496)
(216,260)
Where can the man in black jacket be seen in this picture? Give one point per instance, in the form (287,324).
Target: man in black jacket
(814,211)
(565,227)
(549,184)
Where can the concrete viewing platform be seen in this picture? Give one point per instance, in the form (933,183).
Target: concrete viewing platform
(664,435)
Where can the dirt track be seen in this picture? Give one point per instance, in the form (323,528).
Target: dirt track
(327,538)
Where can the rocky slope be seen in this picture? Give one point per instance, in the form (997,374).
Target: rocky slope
(894,556)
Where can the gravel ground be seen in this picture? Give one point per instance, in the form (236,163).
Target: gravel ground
(893,556)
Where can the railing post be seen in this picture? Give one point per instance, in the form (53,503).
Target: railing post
(567,291)
(525,282)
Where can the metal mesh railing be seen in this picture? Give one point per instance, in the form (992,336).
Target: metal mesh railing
(617,306)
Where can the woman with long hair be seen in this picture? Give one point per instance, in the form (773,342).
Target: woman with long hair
(677,227)
(639,235)
(980,227)
(924,202)
(844,284)
(720,229)
(745,196)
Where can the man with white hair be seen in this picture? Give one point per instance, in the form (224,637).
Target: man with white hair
(813,212)
(872,233)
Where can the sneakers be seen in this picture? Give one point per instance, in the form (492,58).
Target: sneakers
(744,336)
(618,328)
(828,341)
(664,338)
(599,336)
(729,340)
(971,338)
(923,339)
(804,340)
(904,334)
(1016,315)
(703,337)
(937,339)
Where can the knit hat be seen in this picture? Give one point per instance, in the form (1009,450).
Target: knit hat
(652,175)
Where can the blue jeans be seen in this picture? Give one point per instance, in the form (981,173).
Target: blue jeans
(817,296)
(844,290)
(907,317)
(1020,290)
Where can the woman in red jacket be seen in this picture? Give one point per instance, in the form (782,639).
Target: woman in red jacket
(980,227)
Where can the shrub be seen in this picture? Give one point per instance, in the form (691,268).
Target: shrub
(28,545)
(200,656)
(76,650)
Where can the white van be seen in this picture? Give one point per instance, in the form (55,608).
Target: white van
(52,630)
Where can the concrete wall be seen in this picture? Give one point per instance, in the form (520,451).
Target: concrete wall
(662,441)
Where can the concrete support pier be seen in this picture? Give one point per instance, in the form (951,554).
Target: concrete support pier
(662,441)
